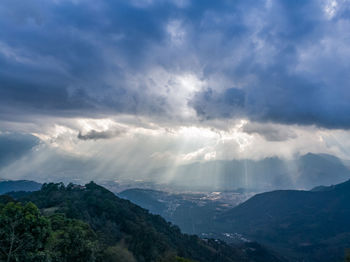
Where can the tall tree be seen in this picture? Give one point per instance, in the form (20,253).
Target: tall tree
(23,233)
(72,240)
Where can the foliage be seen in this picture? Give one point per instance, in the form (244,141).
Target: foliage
(147,236)
(23,233)
(181,259)
(26,235)
(71,240)
(99,226)
(4,199)
(118,253)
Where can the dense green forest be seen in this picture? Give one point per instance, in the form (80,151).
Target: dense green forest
(303,225)
(26,235)
(89,223)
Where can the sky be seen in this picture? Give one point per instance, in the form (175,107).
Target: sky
(110,89)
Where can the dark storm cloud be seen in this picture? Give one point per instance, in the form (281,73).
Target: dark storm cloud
(94,135)
(14,146)
(53,60)
(285,74)
(211,104)
(280,61)
(270,132)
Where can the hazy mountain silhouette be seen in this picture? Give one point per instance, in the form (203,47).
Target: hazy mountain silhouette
(18,185)
(304,172)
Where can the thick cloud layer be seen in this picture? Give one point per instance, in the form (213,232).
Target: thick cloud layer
(15,146)
(121,89)
(289,66)
(281,61)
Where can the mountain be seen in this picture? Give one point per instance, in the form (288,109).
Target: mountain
(18,185)
(303,172)
(148,237)
(221,175)
(192,212)
(303,225)
(320,169)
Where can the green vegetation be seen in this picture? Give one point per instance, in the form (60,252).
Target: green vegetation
(90,224)
(23,233)
(26,235)
(147,237)
(71,240)
(118,253)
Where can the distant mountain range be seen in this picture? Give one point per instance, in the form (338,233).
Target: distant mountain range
(304,172)
(303,225)
(18,185)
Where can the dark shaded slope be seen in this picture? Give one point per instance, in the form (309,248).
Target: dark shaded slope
(149,199)
(148,237)
(305,225)
(193,213)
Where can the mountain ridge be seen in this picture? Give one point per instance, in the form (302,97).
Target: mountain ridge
(18,185)
(305,171)
(307,225)
(147,236)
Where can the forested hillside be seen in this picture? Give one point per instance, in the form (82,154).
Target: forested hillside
(304,225)
(110,228)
